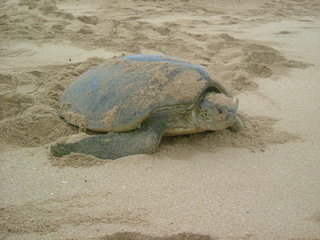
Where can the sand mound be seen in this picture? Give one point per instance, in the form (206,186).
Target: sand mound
(29,104)
(36,126)
(258,134)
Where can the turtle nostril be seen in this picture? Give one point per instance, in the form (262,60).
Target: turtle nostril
(232,110)
(230,116)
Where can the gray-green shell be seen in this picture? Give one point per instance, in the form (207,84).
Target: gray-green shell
(120,94)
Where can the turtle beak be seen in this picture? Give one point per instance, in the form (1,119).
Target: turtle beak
(236,102)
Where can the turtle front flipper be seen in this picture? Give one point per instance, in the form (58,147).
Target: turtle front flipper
(115,145)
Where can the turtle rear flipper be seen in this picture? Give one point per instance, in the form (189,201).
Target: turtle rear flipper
(115,145)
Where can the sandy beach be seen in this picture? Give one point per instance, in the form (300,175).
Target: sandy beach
(261,183)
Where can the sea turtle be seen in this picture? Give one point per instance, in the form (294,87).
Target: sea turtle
(138,99)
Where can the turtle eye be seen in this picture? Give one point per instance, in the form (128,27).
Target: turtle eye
(220,111)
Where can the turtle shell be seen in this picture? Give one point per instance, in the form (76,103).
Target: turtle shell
(121,93)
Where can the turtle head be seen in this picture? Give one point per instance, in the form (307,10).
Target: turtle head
(217,111)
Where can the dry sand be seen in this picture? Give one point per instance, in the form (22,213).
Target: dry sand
(261,183)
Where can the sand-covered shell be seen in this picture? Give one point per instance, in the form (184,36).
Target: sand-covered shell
(121,93)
